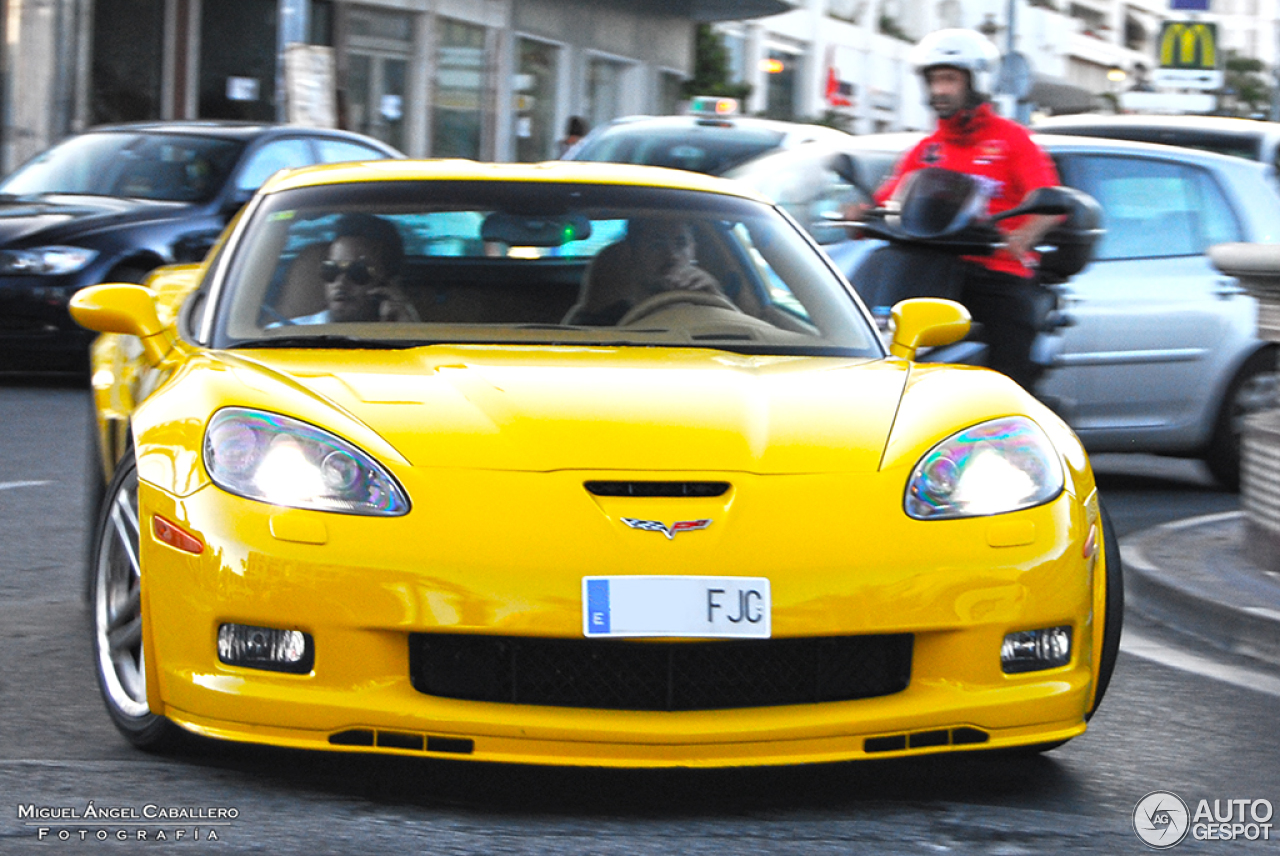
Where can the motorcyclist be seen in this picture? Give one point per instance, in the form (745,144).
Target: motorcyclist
(1001,290)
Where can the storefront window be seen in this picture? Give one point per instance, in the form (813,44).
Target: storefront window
(604,90)
(846,10)
(782,79)
(735,46)
(670,92)
(128,57)
(377,73)
(238,63)
(459,90)
(535,101)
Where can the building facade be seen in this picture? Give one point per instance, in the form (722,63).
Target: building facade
(499,79)
(486,79)
(846,60)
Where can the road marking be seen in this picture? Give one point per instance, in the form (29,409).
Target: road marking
(10,485)
(1186,661)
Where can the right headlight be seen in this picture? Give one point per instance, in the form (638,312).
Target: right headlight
(283,461)
(995,467)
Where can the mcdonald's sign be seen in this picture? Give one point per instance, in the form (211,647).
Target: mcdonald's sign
(1189,44)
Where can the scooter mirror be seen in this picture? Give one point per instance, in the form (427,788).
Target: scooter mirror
(1042,200)
(848,168)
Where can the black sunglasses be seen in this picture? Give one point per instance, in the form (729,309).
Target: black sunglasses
(358,271)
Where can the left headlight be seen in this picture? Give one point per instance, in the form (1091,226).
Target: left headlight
(49,261)
(282,461)
(992,468)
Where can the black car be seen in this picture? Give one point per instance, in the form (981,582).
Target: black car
(115,202)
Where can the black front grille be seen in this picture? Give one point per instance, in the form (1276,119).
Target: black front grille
(635,675)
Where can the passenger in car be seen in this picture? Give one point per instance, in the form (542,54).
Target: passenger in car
(656,256)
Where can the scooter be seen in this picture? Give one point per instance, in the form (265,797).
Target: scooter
(942,215)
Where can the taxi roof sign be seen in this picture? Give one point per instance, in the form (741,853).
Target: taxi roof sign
(713,105)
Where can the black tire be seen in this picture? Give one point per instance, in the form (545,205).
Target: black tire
(1113,617)
(95,490)
(115,610)
(1252,390)
(128,273)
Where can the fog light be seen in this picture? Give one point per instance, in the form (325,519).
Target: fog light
(265,648)
(1033,650)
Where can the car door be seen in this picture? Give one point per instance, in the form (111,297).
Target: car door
(1150,307)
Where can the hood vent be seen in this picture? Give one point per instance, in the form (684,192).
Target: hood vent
(687,489)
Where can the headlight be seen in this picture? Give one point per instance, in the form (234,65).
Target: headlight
(282,461)
(46,260)
(992,468)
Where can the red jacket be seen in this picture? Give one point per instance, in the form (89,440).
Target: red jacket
(985,145)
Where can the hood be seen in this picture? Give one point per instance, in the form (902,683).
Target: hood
(605,409)
(57,216)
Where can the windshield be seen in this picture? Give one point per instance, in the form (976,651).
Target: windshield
(711,148)
(164,167)
(400,264)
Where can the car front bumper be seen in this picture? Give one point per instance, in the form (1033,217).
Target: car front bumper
(361,587)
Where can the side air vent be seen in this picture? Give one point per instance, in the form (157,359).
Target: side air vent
(403,740)
(691,489)
(963,736)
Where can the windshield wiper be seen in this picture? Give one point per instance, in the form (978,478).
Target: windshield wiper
(331,341)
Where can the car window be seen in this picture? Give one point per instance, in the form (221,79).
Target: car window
(501,262)
(339,151)
(712,148)
(163,167)
(271,158)
(1153,208)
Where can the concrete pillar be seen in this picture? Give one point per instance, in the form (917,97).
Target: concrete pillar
(1257,267)
(42,75)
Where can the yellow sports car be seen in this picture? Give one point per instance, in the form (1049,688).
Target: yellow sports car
(574,464)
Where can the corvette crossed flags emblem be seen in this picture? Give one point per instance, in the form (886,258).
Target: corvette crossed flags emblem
(669,531)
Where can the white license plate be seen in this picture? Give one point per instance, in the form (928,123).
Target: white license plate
(676,606)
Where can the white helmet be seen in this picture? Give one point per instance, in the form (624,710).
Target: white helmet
(963,49)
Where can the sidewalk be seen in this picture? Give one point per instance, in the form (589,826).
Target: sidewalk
(1193,576)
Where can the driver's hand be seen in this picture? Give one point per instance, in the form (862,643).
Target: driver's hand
(689,278)
(394,305)
(1019,247)
(855,212)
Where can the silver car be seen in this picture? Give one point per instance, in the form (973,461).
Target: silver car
(699,143)
(1228,135)
(1163,356)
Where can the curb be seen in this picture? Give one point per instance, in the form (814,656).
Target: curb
(1193,577)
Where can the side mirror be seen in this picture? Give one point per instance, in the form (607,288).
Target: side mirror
(126,309)
(926,322)
(850,169)
(237,200)
(1042,200)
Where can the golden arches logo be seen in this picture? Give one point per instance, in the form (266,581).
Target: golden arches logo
(1184,44)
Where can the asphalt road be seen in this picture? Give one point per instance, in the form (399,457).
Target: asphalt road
(1161,728)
